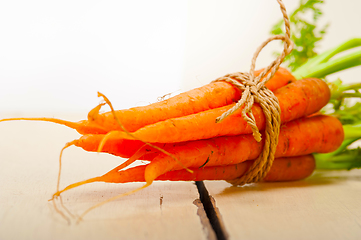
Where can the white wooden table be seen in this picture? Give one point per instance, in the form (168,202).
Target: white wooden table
(326,205)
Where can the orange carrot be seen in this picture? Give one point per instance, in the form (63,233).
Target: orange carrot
(298,99)
(300,137)
(118,145)
(212,95)
(291,169)
(283,169)
(122,148)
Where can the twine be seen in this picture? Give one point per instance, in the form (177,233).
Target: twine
(254,90)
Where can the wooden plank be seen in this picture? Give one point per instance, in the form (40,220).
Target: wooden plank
(327,205)
(28,171)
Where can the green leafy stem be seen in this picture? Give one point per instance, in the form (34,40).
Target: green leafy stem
(342,158)
(304,62)
(320,66)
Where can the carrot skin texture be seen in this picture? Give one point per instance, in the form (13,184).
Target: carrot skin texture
(283,169)
(319,133)
(212,95)
(298,99)
(190,126)
(122,148)
(243,145)
(291,169)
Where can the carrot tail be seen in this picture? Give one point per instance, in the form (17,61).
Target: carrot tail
(60,162)
(73,125)
(141,152)
(74,185)
(91,180)
(82,127)
(103,178)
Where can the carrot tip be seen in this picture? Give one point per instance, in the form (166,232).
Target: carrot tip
(55,195)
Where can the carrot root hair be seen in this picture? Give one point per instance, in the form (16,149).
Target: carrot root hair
(74,185)
(108,177)
(60,161)
(73,125)
(141,152)
(58,192)
(105,139)
(83,127)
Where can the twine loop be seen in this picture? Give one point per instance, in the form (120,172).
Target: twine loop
(254,90)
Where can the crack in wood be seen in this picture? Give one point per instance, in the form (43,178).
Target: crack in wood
(207,227)
(207,210)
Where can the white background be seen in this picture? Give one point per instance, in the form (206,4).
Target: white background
(56,55)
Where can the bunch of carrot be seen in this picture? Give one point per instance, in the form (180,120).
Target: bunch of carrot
(181,140)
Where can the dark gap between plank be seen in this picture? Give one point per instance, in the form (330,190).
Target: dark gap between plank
(210,211)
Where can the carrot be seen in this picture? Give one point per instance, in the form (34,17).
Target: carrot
(300,137)
(298,99)
(122,148)
(291,169)
(304,136)
(283,169)
(212,95)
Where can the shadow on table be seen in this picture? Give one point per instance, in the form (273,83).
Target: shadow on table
(319,178)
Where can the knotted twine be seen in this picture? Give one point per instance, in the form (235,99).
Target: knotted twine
(254,90)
